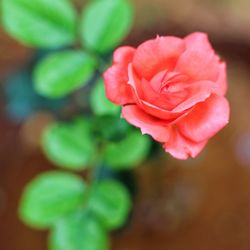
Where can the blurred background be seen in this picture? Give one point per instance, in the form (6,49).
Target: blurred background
(199,204)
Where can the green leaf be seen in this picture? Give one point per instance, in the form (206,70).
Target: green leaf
(111,127)
(63,72)
(49,196)
(129,152)
(110,202)
(99,102)
(78,231)
(69,145)
(41,23)
(112,25)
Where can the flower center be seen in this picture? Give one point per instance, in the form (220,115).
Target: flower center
(169,89)
(170,80)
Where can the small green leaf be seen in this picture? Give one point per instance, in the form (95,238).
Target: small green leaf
(69,145)
(129,152)
(49,196)
(99,102)
(110,202)
(41,23)
(78,231)
(112,25)
(111,127)
(63,72)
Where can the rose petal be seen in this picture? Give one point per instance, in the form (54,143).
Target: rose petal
(206,119)
(221,82)
(148,124)
(153,91)
(198,40)
(124,55)
(198,92)
(151,96)
(116,77)
(145,93)
(182,148)
(156,55)
(117,89)
(135,82)
(198,64)
(159,112)
(141,91)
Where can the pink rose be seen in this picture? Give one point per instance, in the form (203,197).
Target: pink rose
(172,89)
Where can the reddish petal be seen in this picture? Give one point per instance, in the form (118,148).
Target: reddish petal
(153,91)
(151,96)
(163,101)
(156,55)
(117,89)
(206,119)
(198,40)
(135,82)
(148,124)
(182,148)
(116,77)
(143,91)
(198,92)
(124,55)
(199,64)
(159,112)
(221,82)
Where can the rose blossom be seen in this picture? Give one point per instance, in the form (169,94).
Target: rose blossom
(172,89)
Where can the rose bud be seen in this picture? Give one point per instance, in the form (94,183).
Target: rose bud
(172,89)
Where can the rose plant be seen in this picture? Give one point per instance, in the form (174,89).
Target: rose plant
(171,88)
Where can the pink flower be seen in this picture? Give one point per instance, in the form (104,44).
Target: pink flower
(172,89)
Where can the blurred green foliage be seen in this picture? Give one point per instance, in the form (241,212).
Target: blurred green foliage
(104,23)
(110,202)
(40,23)
(69,145)
(63,72)
(22,100)
(78,213)
(76,231)
(50,196)
(129,152)
(99,102)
